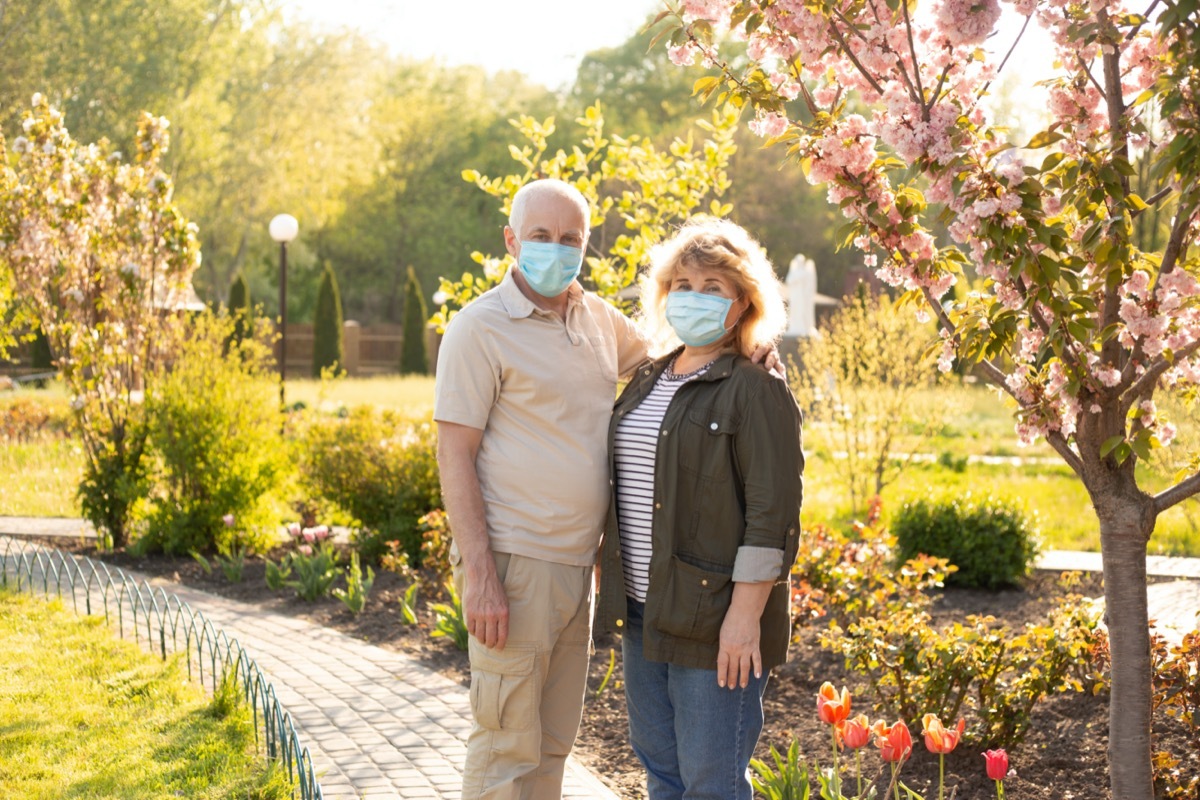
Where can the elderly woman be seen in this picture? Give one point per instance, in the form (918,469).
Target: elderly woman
(703,526)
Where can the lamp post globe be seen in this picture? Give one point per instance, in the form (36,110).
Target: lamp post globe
(283,229)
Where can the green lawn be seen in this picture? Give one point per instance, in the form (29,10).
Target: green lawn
(84,714)
(39,479)
(412,395)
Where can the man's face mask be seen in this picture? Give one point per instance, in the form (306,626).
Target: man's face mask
(549,268)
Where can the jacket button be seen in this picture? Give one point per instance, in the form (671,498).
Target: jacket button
(658,505)
(620,623)
(704,581)
(713,426)
(664,433)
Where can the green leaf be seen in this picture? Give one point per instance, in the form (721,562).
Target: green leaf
(1110,444)
(1044,139)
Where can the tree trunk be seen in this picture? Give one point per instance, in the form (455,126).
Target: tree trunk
(1126,521)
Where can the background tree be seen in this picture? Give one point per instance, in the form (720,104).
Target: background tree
(102,256)
(414,358)
(858,382)
(328,348)
(1075,321)
(636,191)
(239,307)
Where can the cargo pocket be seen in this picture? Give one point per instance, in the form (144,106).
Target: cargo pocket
(695,602)
(503,687)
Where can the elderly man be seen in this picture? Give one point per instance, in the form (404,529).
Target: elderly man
(526,380)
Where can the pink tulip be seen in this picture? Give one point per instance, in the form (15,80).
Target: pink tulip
(294,529)
(997,764)
(228,519)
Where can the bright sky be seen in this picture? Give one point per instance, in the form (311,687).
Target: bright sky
(546,39)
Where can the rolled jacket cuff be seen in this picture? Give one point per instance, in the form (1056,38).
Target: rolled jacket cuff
(757,564)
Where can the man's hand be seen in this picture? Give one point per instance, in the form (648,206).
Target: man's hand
(768,356)
(485,607)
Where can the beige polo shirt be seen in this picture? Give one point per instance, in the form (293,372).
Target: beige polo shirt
(542,392)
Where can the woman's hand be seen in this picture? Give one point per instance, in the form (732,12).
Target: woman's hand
(739,655)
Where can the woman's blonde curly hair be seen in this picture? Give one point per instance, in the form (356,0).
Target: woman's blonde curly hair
(716,244)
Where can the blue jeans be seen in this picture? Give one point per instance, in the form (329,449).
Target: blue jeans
(694,737)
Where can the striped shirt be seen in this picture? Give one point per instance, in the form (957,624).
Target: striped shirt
(635,448)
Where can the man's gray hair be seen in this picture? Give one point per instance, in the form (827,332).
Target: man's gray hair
(553,186)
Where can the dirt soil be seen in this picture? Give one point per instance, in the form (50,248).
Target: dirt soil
(1062,758)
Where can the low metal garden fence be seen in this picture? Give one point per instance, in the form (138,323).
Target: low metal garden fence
(166,625)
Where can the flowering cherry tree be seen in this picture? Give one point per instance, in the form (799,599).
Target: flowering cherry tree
(1069,313)
(98,251)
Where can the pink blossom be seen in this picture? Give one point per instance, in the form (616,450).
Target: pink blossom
(966,22)
(228,519)
(683,55)
(294,529)
(305,549)
(1109,376)
(769,124)
(1166,434)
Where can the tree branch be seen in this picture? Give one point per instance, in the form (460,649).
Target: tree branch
(854,59)
(983,90)
(1188,487)
(1151,201)
(1144,384)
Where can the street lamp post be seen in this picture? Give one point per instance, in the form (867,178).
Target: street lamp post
(283,230)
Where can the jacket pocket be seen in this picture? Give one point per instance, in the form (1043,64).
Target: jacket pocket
(706,444)
(695,602)
(503,696)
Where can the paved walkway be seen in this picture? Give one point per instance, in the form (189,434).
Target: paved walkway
(380,725)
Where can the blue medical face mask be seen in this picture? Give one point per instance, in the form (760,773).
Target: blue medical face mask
(698,319)
(549,268)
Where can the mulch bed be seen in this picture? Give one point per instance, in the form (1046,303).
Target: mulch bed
(1064,756)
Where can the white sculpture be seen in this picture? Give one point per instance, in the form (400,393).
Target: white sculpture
(802,296)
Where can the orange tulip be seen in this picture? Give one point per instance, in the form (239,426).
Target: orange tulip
(832,706)
(855,732)
(937,738)
(895,743)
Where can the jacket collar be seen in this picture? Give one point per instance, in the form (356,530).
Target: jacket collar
(720,369)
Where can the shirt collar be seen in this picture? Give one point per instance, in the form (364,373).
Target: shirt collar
(519,306)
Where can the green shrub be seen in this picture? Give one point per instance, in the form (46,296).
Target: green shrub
(990,541)
(213,427)
(846,574)
(328,344)
(414,357)
(379,468)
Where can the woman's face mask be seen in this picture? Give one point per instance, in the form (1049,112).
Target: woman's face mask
(698,318)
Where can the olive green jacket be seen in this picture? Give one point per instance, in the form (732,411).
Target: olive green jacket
(727,475)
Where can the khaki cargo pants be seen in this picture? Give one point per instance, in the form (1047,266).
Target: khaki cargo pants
(528,698)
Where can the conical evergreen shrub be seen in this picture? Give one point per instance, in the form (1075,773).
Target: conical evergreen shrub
(328,344)
(239,308)
(414,358)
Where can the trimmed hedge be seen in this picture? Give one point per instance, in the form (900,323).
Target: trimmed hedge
(990,540)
